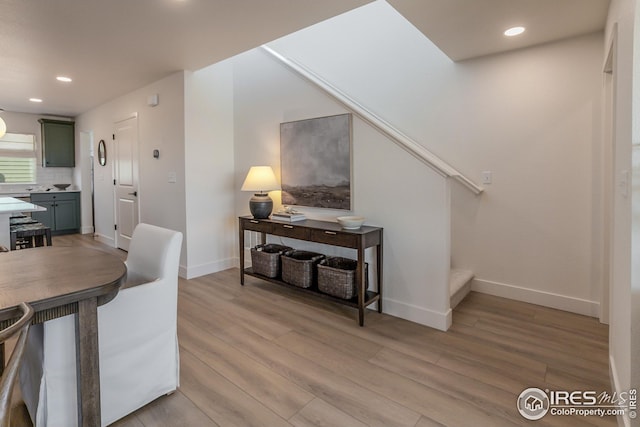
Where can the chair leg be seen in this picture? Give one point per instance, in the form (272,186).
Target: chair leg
(47,234)
(13,241)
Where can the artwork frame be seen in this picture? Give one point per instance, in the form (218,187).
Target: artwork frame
(316,162)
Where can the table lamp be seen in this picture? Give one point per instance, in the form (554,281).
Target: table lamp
(260,179)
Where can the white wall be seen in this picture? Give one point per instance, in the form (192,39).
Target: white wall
(82,175)
(536,125)
(161,127)
(391,188)
(209,176)
(620,32)
(532,117)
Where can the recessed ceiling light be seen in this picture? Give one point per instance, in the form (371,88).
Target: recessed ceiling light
(35,99)
(514,31)
(63,79)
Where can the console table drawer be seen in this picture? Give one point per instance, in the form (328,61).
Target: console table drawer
(256,225)
(335,238)
(288,230)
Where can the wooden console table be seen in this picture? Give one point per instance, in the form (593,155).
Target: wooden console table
(330,233)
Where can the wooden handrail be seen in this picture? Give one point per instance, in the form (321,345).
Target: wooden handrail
(404,141)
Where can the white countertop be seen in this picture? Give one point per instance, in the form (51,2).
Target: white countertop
(55,190)
(10,205)
(28,193)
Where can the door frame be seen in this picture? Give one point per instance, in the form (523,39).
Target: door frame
(608,178)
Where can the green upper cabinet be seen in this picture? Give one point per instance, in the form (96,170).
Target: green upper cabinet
(58,143)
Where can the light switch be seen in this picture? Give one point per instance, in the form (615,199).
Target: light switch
(486,177)
(173,178)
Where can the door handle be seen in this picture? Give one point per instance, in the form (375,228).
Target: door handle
(135,194)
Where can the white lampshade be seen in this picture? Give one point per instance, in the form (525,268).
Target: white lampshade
(260,178)
(3,127)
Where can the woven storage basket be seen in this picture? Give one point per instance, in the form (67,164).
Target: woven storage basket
(299,267)
(265,259)
(337,277)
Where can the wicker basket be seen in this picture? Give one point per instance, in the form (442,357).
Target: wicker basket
(265,259)
(299,267)
(337,277)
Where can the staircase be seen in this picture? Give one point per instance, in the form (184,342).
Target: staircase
(459,285)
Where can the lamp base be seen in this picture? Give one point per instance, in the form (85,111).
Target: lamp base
(261,206)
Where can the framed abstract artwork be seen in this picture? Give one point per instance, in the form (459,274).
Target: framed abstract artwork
(316,162)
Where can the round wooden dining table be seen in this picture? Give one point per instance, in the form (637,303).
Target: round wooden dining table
(58,281)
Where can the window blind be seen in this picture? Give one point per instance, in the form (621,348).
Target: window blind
(17,158)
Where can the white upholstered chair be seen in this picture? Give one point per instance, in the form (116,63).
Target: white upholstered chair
(138,344)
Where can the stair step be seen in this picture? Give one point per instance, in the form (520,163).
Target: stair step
(459,285)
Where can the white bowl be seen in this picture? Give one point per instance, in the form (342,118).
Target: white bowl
(350,222)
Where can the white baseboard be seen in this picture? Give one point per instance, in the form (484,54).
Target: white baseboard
(413,313)
(546,299)
(86,229)
(208,268)
(615,384)
(105,239)
(182,271)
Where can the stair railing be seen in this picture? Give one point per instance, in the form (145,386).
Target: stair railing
(401,139)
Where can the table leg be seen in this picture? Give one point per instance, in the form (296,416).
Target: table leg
(360,279)
(379,262)
(241,254)
(1,358)
(87,363)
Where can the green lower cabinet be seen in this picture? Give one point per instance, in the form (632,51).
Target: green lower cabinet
(46,217)
(63,211)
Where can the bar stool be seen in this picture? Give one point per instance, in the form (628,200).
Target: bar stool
(29,235)
(22,220)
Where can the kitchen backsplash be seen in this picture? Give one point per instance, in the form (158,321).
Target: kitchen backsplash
(46,177)
(50,176)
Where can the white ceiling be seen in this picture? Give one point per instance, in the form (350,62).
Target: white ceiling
(112,47)
(465,29)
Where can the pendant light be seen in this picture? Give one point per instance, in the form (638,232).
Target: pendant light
(3,127)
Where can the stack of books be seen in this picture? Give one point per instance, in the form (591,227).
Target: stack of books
(288,216)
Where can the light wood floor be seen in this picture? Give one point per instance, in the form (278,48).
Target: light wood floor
(261,355)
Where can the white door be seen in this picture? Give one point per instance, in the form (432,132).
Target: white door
(126,180)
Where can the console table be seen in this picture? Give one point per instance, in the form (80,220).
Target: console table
(330,233)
